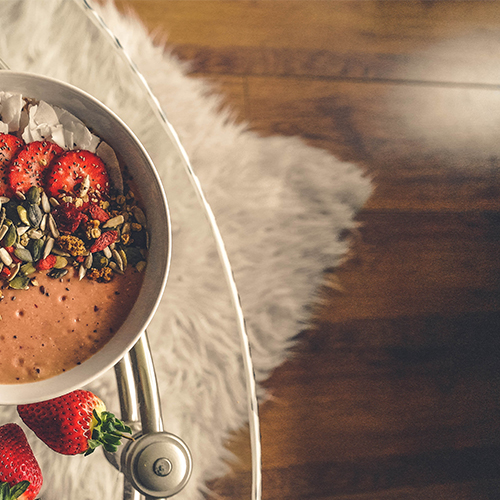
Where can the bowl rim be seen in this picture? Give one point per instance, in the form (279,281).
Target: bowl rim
(117,347)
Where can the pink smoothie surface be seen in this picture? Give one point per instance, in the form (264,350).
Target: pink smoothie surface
(51,328)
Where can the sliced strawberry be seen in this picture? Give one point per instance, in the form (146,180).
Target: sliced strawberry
(9,145)
(30,164)
(68,173)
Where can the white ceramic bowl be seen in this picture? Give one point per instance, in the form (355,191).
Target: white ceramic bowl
(105,124)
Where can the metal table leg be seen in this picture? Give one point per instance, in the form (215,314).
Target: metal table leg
(156,464)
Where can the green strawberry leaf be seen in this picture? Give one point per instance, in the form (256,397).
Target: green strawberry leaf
(8,493)
(107,432)
(18,489)
(110,447)
(4,491)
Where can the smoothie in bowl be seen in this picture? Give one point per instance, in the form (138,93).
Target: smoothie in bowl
(84,238)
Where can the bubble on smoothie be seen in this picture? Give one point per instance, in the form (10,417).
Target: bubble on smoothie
(18,362)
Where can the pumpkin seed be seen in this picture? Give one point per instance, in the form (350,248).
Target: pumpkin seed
(35,215)
(61,262)
(62,253)
(57,273)
(134,255)
(27,269)
(33,195)
(139,215)
(19,283)
(115,267)
(99,260)
(11,212)
(36,249)
(10,237)
(23,214)
(24,254)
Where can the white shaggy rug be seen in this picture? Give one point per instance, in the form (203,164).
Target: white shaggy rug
(281,207)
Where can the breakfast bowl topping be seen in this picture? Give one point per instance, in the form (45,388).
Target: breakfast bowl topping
(62,208)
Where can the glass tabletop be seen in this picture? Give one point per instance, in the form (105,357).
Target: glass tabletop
(195,289)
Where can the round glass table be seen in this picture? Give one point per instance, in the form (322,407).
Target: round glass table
(164,454)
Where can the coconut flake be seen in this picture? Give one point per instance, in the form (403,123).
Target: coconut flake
(46,115)
(44,121)
(77,135)
(43,124)
(11,105)
(58,135)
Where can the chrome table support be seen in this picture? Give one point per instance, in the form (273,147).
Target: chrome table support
(156,464)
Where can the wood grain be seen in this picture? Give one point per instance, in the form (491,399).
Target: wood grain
(392,393)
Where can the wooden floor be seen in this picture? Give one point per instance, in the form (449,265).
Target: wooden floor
(394,393)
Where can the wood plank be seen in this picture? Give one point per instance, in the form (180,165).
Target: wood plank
(418,264)
(426,146)
(453,41)
(429,477)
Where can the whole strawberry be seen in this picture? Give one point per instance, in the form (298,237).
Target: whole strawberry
(74,423)
(20,474)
